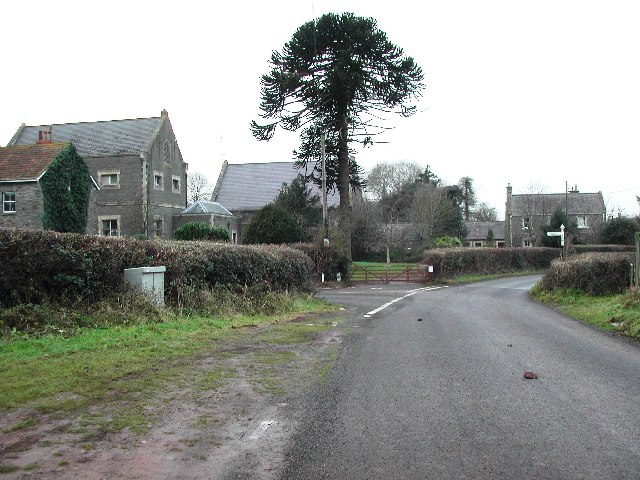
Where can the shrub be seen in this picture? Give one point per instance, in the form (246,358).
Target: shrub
(201,231)
(325,260)
(447,242)
(620,231)
(592,273)
(273,225)
(40,265)
(460,261)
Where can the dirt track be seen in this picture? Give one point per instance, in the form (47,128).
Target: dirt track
(229,415)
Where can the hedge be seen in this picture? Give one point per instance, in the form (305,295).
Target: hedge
(592,273)
(449,262)
(325,260)
(42,265)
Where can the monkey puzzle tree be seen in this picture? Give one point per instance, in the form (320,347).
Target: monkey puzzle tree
(336,76)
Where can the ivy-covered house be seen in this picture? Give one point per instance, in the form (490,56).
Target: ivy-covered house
(138,168)
(46,185)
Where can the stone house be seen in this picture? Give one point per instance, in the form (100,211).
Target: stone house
(138,167)
(21,168)
(477,233)
(211,213)
(525,214)
(244,189)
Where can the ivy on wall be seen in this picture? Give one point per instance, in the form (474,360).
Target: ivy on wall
(65,191)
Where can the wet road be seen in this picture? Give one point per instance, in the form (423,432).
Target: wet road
(444,396)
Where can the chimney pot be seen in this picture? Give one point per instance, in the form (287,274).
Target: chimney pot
(44,136)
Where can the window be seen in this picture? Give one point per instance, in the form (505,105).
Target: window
(157,181)
(526,223)
(527,242)
(158,227)
(110,227)
(477,244)
(581,220)
(166,152)
(8,202)
(175,184)
(109,179)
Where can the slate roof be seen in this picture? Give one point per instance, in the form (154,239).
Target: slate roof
(251,186)
(546,203)
(479,230)
(204,206)
(95,139)
(27,162)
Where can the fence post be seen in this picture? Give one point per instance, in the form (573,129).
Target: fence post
(637,271)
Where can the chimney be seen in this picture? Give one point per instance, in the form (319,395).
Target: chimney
(164,113)
(44,136)
(574,189)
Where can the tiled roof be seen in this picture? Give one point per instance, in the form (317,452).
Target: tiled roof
(94,139)
(27,162)
(546,203)
(204,206)
(480,230)
(251,186)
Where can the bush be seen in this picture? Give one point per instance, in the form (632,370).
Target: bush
(592,273)
(201,231)
(464,261)
(273,225)
(38,266)
(325,260)
(447,242)
(620,231)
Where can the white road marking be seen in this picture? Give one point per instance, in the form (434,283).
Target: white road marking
(409,293)
(261,429)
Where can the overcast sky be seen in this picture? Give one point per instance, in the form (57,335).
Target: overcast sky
(532,93)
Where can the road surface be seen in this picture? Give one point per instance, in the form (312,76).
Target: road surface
(430,386)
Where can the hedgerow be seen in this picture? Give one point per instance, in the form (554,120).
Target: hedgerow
(449,262)
(592,273)
(42,266)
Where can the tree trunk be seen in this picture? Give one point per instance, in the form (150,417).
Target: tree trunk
(343,187)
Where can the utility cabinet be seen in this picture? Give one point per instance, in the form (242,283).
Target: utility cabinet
(148,280)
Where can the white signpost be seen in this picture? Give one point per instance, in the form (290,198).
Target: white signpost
(558,234)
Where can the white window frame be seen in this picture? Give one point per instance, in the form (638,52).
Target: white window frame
(157,186)
(527,243)
(7,202)
(110,218)
(109,173)
(526,223)
(581,221)
(174,179)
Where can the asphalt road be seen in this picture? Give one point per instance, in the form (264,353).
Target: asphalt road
(445,397)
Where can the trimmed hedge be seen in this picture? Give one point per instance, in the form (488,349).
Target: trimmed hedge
(449,262)
(325,260)
(602,248)
(201,231)
(592,273)
(42,265)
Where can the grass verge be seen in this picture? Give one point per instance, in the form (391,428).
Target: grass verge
(619,313)
(56,373)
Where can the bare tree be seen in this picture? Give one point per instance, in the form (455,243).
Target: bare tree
(485,213)
(387,178)
(198,188)
(535,212)
(429,210)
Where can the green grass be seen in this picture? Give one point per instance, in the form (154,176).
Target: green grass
(53,373)
(603,311)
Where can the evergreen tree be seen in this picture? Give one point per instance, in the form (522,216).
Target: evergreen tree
(65,193)
(333,76)
(297,199)
(273,224)
(468,196)
(557,220)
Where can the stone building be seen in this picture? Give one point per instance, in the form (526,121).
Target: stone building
(525,214)
(21,168)
(137,165)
